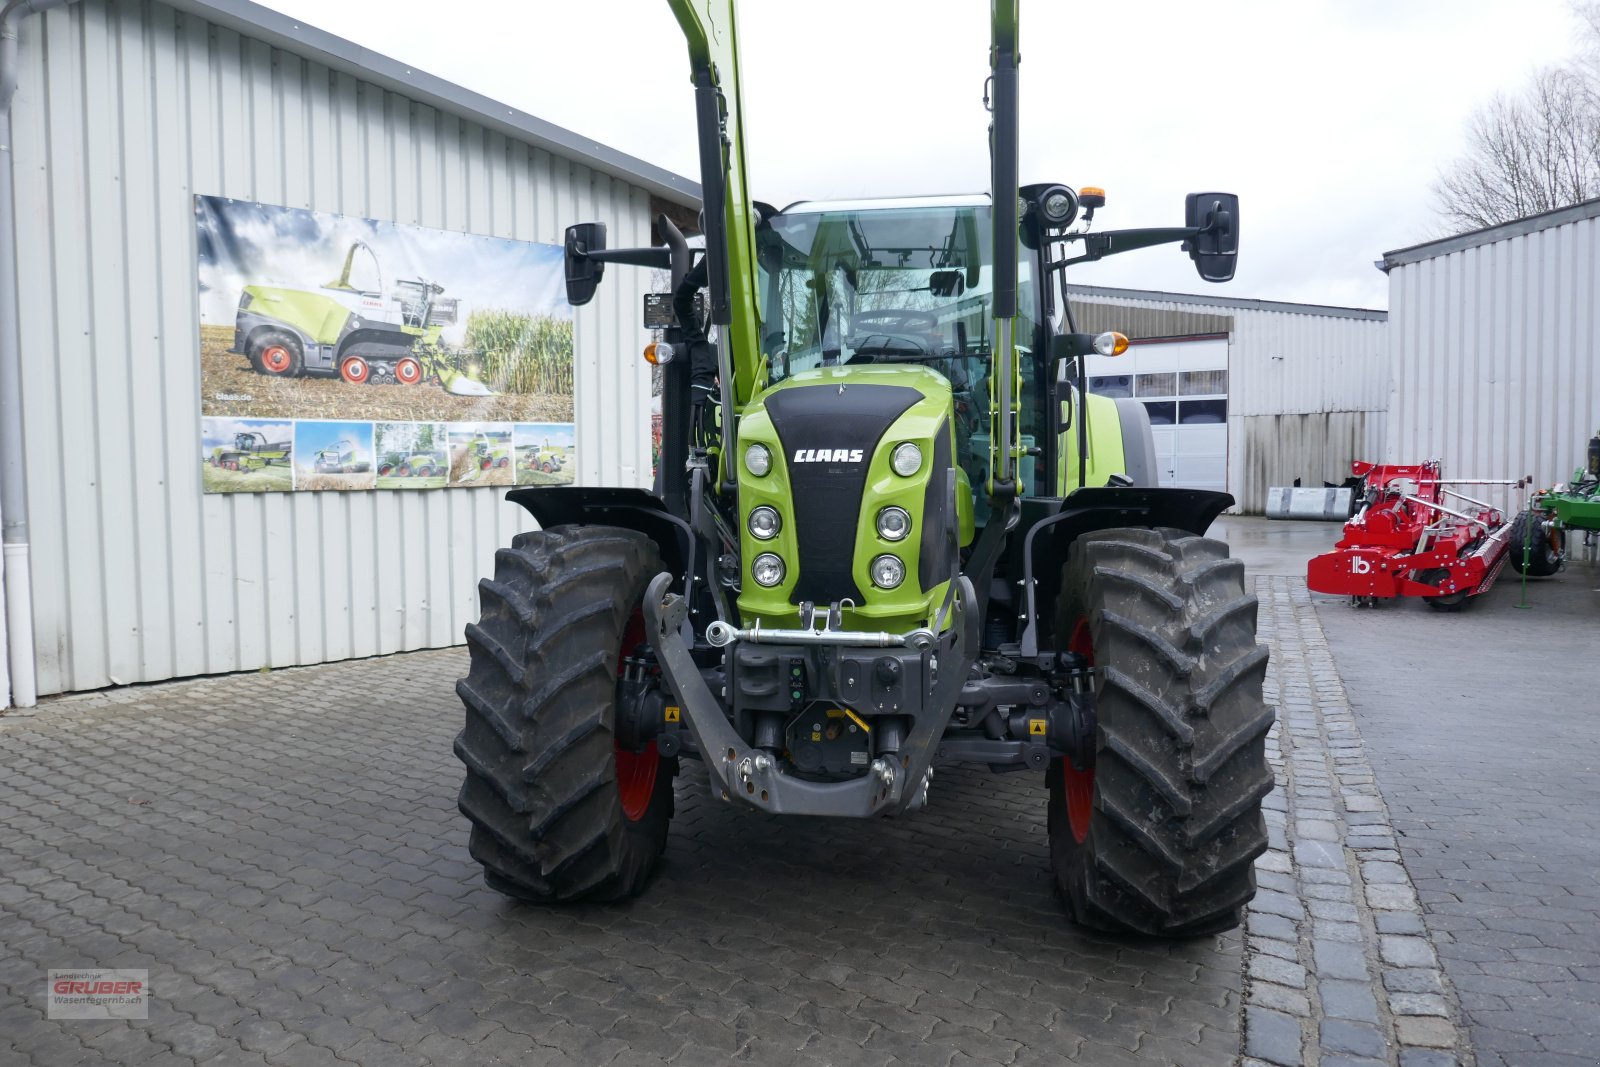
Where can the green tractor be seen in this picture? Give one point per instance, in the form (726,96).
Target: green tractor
(413,465)
(358,335)
(490,452)
(892,528)
(252,451)
(1538,536)
(340,459)
(540,458)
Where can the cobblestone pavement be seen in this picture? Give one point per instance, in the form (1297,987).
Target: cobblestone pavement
(1340,970)
(282,852)
(1485,738)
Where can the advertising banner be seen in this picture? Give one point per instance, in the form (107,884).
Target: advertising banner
(341,353)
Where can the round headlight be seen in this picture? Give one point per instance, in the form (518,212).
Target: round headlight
(767,570)
(757,460)
(887,572)
(893,523)
(1059,207)
(907,459)
(765,523)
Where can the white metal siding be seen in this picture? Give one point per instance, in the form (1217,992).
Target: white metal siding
(1495,349)
(1307,394)
(126,111)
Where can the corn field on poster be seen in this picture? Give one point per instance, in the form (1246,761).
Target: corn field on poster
(413,342)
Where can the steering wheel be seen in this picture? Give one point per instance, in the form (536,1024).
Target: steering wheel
(894,319)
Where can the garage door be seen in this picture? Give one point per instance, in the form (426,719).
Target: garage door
(1183,384)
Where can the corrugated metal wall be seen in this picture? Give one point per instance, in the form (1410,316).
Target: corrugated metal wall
(126,111)
(1307,390)
(1496,371)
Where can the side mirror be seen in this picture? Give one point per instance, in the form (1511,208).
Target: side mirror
(1215,249)
(583,273)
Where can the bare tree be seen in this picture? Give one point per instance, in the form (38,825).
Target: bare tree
(1533,152)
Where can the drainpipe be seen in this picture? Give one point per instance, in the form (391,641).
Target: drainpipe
(13,474)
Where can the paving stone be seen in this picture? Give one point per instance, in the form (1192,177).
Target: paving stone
(1418,1004)
(1339,959)
(1273,1037)
(1396,922)
(1280,998)
(1427,1057)
(1426,1030)
(1402,951)
(1339,1035)
(1348,1000)
(1273,969)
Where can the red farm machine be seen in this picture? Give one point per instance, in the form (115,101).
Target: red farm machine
(1413,536)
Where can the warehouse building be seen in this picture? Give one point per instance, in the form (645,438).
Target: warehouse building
(119,568)
(1246,394)
(1494,341)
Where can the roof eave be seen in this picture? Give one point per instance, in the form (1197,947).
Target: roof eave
(291,35)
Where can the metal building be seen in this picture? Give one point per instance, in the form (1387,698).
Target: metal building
(1305,389)
(118,567)
(1495,337)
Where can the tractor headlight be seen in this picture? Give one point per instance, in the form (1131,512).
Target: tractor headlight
(888,572)
(906,460)
(893,524)
(758,460)
(767,570)
(765,523)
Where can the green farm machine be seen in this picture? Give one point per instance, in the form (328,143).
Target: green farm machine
(413,464)
(489,452)
(359,335)
(540,458)
(252,451)
(892,527)
(340,459)
(1541,536)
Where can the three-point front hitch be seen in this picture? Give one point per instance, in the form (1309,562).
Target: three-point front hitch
(845,722)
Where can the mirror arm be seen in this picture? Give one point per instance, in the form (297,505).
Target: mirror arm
(1110,242)
(660,257)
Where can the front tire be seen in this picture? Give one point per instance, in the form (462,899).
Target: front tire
(1160,832)
(276,354)
(559,810)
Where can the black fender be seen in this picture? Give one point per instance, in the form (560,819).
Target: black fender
(630,509)
(1050,530)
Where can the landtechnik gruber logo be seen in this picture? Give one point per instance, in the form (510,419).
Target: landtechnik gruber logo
(98,994)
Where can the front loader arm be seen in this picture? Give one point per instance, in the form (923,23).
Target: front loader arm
(709,29)
(1005,378)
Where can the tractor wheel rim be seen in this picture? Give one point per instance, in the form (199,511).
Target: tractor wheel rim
(354,370)
(275,358)
(1079,785)
(636,771)
(407,371)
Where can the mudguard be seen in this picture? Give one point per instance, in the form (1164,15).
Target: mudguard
(630,509)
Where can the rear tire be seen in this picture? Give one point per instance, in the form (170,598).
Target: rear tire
(552,817)
(1161,834)
(1544,554)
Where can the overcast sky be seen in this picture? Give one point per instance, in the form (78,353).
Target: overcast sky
(1330,118)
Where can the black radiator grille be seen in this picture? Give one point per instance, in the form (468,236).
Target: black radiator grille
(827,494)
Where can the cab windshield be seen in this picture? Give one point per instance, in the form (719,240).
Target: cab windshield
(881,284)
(909,284)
